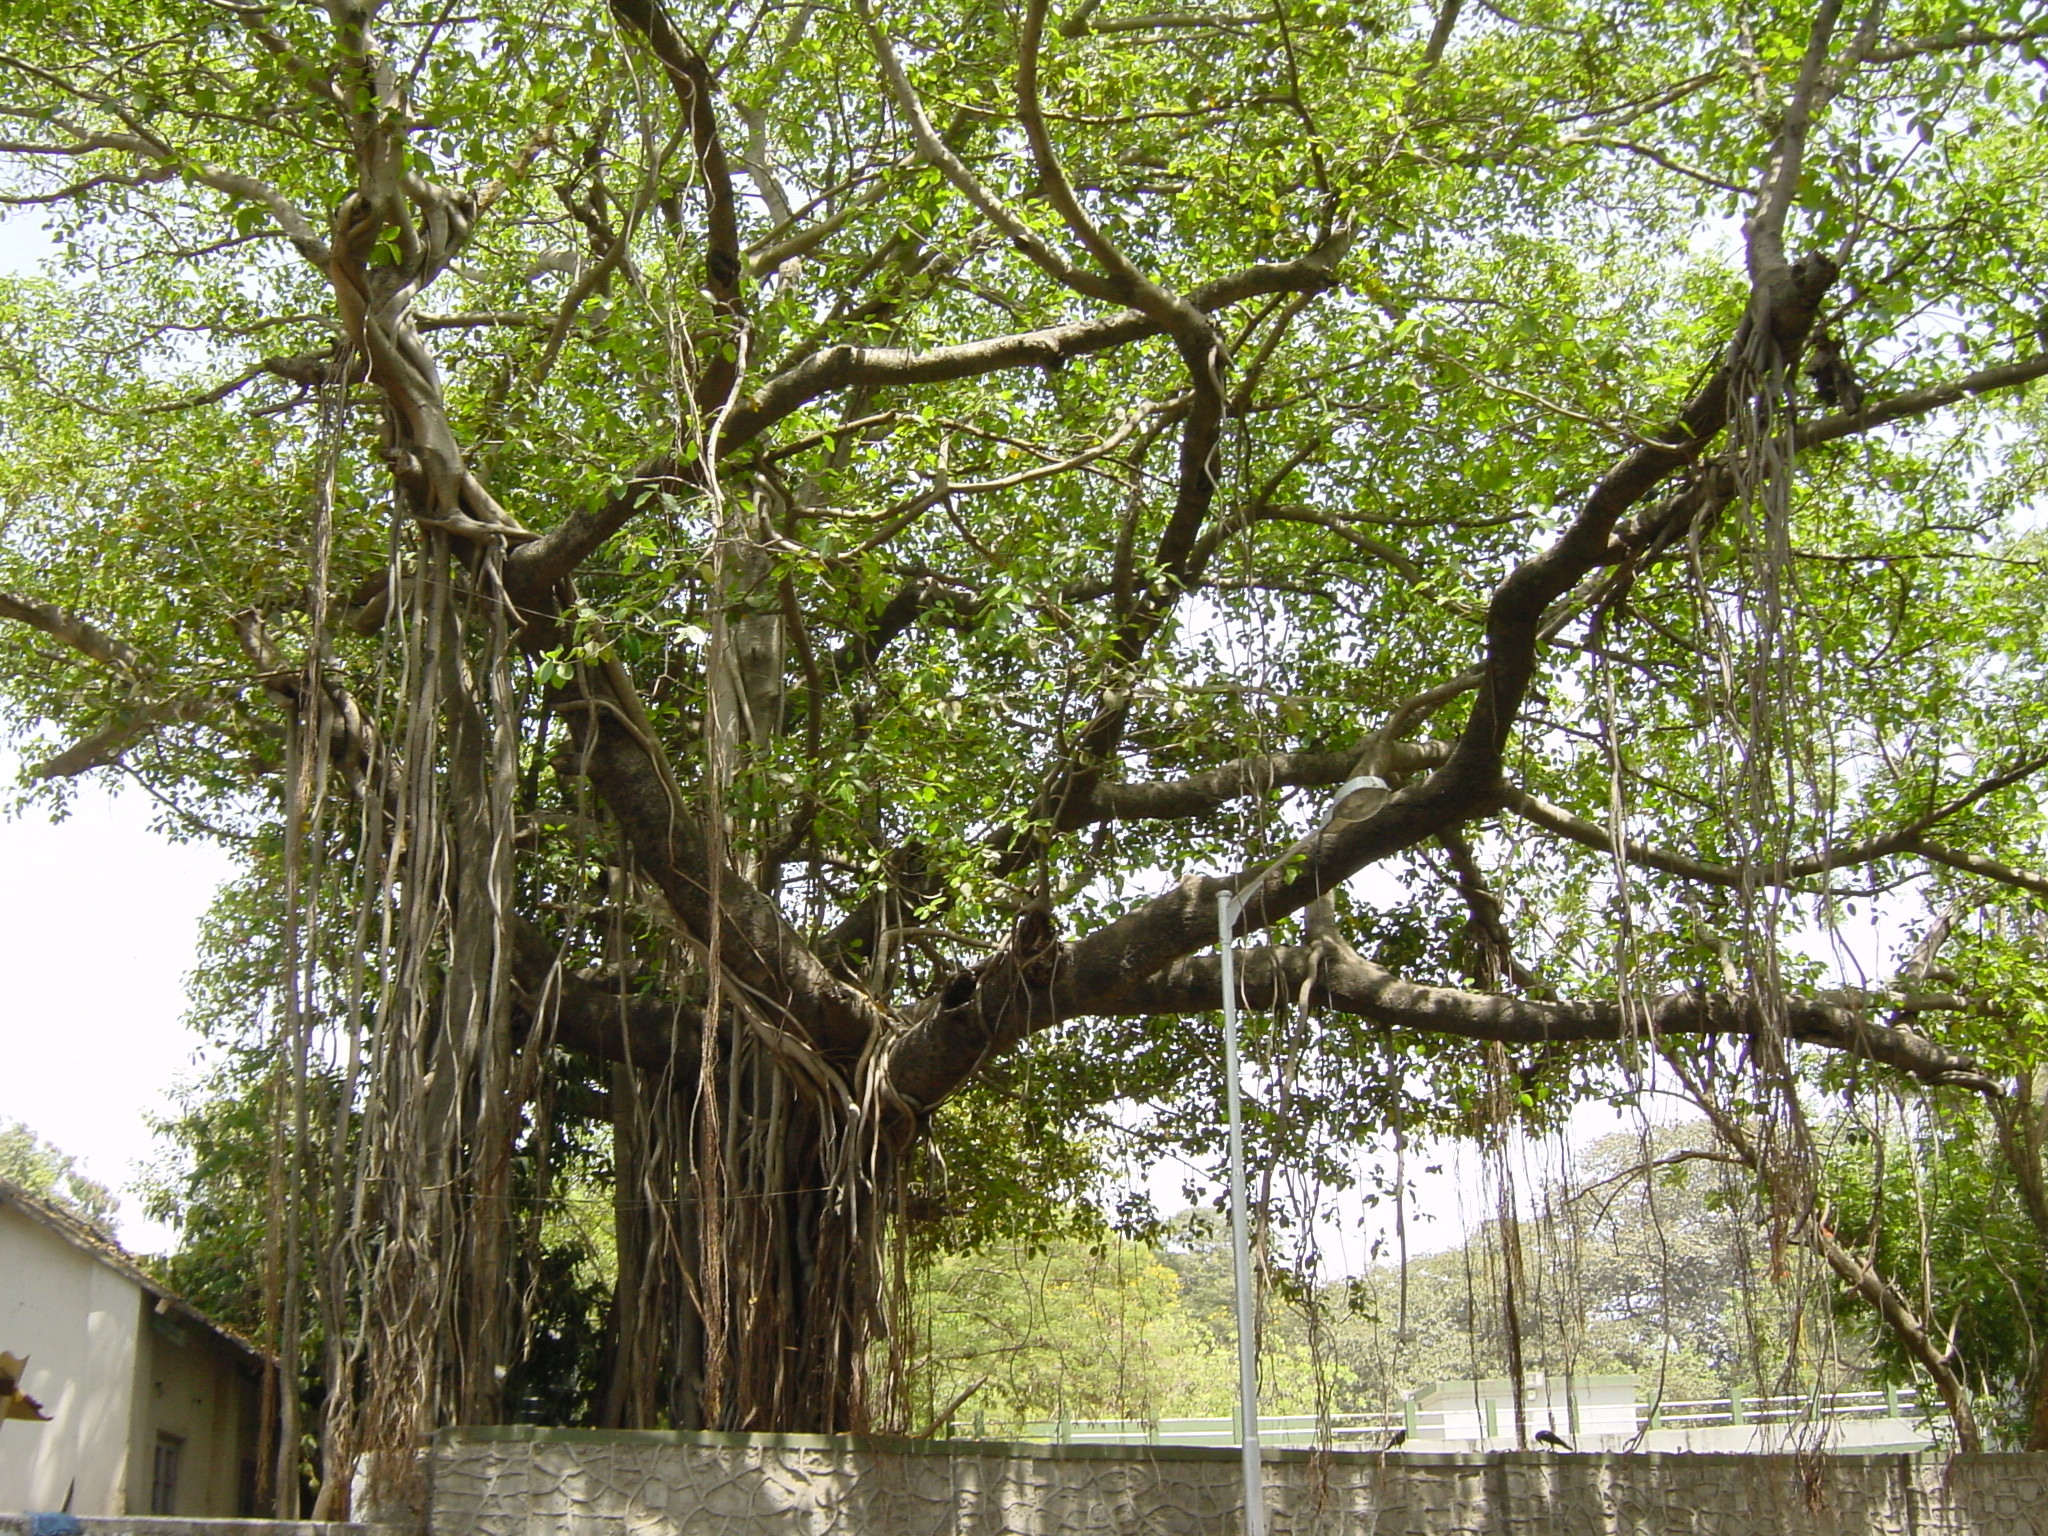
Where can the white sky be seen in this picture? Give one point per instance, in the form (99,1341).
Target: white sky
(98,916)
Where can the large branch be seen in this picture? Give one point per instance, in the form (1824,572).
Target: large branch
(1771,276)
(1187,324)
(83,636)
(111,741)
(1952,39)
(906,606)
(595,1020)
(1922,402)
(1909,838)
(690,78)
(936,1055)
(144,143)
(1862,1276)
(1210,789)
(757,948)
(1183,549)
(845,367)
(130,725)
(1348,983)
(1977,864)
(534,568)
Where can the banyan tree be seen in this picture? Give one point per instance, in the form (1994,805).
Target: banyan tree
(746,574)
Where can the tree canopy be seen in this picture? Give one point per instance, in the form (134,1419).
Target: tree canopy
(749,574)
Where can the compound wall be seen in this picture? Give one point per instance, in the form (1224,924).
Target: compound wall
(536,1482)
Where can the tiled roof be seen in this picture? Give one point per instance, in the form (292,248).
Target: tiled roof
(90,1239)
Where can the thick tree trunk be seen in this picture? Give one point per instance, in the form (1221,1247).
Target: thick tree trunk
(776,1333)
(2022,1121)
(2037,1422)
(653,1373)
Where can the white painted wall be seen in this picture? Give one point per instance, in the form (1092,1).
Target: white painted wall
(77,1320)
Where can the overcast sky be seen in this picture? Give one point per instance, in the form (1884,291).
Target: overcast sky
(98,916)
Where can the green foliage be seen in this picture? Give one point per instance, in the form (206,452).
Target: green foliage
(54,1176)
(1934,1200)
(1071,1329)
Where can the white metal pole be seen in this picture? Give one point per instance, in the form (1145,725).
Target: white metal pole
(1240,1237)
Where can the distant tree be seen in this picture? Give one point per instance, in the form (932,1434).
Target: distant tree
(51,1175)
(1085,1330)
(1646,1261)
(212,1182)
(1651,1257)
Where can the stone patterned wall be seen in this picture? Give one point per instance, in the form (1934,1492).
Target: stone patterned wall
(521,1482)
(176,1525)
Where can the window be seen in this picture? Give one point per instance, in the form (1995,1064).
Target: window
(163,1477)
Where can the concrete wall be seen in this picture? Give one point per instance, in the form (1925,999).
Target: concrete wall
(77,1321)
(537,1482)
(150,1525)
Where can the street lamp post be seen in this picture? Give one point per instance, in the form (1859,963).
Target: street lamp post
(1228,907)
(1356,800)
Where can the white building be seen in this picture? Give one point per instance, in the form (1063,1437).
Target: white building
(1480,1415)
(153,1409)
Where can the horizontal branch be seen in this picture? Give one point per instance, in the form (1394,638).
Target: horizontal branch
(1978,864)
(1660,157)
(595,1020)
(1348,983)
(1958,38)
(1922,402)
(1907,839)
(481,319)
(1590,834)
(846,367)
(88,639)
(1199,794)
(111,741)
(165,163)
(533,569)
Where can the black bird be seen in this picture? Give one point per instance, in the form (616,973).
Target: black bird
(1552,1437)
(1396,1440)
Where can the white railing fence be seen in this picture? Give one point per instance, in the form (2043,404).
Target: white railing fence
(1466,1423)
